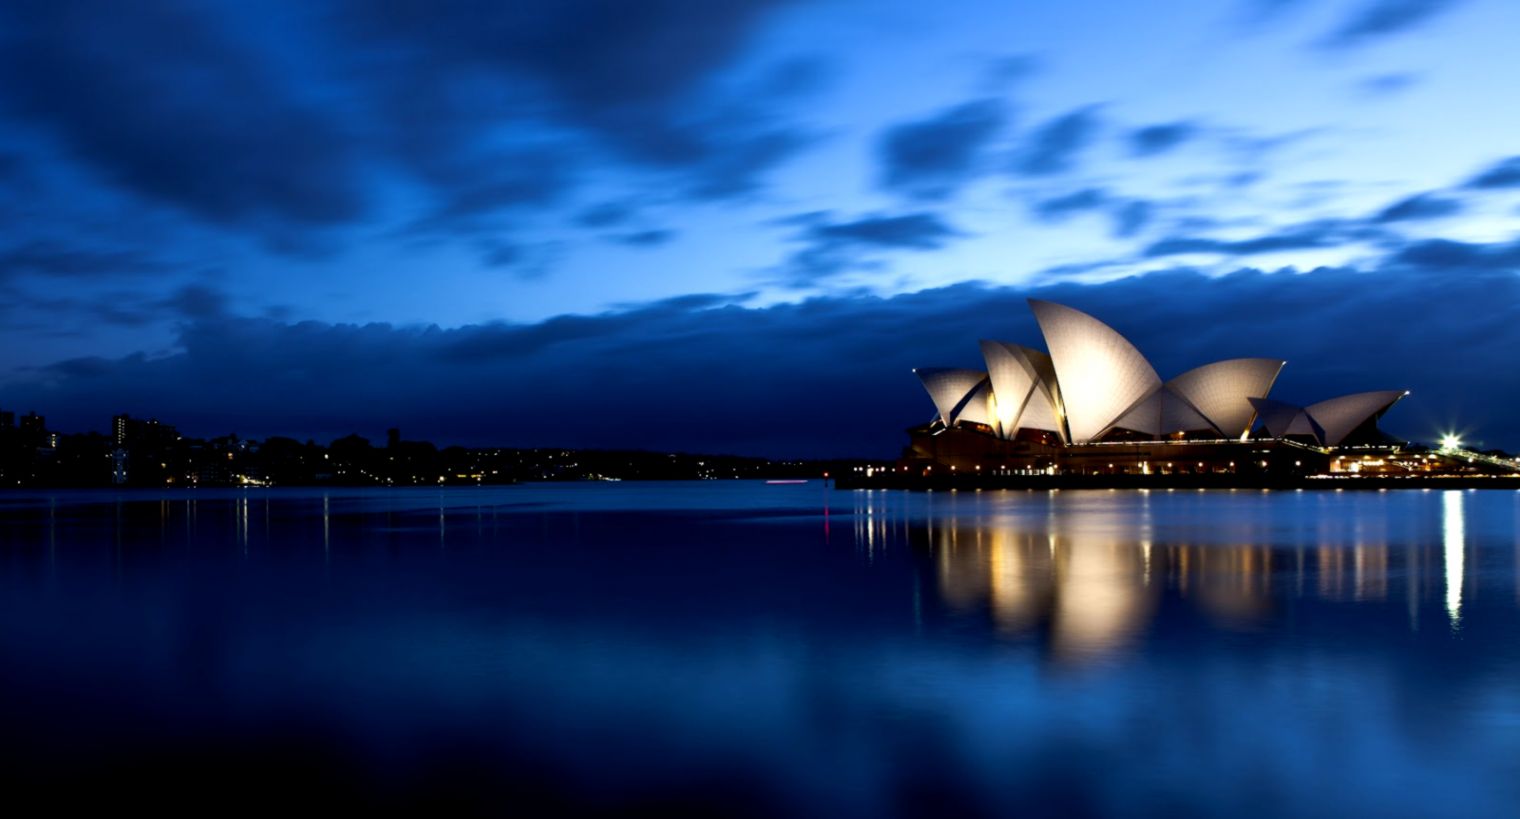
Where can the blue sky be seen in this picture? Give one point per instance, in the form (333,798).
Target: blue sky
(200,202)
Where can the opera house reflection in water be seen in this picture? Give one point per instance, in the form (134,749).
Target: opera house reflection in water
(1086,574)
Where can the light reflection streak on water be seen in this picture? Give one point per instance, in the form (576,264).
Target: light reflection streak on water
(870,528)
(240,523)
(1453,541)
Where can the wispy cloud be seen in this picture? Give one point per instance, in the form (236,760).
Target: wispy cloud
(1502,174)
(932,158)
(1152,140)
(1376,19)
(1054,147)
(831,247)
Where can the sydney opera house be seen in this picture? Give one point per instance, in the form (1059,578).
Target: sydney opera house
(1090,403)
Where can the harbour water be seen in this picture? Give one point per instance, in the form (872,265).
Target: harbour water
(738,648)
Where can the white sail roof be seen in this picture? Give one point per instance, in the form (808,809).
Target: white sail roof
(1013,381)
(1100,374)
(1328,421)
(977,408)
(1021,388)
(1044,408)
(1143,417)
(1162,413)
(1222,391)
(951,390)
(1338,417)
(1275,416)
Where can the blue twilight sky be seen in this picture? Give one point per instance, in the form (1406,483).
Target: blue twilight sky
(735,225)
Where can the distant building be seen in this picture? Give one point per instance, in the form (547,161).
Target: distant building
(1092,403)
(139,450)
(33,430)
(128,432)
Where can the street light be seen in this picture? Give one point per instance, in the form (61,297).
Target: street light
(1449,442)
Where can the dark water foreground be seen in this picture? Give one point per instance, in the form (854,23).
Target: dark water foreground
(738,648)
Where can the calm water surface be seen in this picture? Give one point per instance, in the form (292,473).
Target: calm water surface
(740,648)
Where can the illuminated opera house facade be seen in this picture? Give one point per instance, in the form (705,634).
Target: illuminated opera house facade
(1091,403)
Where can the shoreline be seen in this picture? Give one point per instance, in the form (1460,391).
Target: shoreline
(1236,482)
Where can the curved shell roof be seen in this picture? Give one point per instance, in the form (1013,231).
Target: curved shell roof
(1277,417)
(1021,381)
(1044,408)
(977,408)
(1161,413)
(1101,375)
(1222,391)
(1337,417)
(951,390)
(1328,421)
(1013,381)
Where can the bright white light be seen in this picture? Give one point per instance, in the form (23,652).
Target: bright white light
(1450,442)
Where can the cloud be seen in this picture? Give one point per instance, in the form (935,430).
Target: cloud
(1385,85)
(442,117)
(637,85)
(1261,11)
(738,154)
(197,302)
(1375,229)
(1081,201)
(619,215)
(826,376)
(1132,216)
(1306,236)
(645,238)
(934,157)
(92,309)
(831,247)
(606,214)
(605,63)
(525,260)
(1153,140)
(1001,72)
(1381,18)
(1443,255)
(914,231)
(1129,216)
(795,77)
(1419,207)
(193,302)
(1502,174)
(1255,150)
(157,99)
(1053,147)
(511,178)
(48,259)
